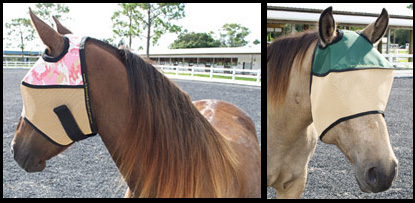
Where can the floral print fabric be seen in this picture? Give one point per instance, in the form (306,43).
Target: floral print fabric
(66,71)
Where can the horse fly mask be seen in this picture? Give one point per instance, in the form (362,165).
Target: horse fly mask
(349,78)
(55,93)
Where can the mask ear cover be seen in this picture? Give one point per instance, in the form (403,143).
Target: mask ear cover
(69,124)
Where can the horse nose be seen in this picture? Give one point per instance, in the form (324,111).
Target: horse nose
(12,145)
(380,179)
(13,149)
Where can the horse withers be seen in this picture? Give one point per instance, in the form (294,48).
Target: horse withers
(333,84)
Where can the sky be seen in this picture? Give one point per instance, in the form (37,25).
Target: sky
(94,20)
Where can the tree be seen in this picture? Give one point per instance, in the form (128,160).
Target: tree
(22,29)
(47,10)
(233,35)
(126,23)
(194,40)
(256,42)
(155,18)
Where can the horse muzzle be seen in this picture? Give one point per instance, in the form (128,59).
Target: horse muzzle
(27,161)
(378,178)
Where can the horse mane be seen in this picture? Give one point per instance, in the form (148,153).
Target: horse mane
(280,58)
(170,149)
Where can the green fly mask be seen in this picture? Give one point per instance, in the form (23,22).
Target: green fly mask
(349,78)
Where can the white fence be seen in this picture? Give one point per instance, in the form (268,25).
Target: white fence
(219,74)
(233,75)
(394,60)
(18,64)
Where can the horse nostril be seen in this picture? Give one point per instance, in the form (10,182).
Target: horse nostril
(372,176)
(379,178)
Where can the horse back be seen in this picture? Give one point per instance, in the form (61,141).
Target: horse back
(239,130)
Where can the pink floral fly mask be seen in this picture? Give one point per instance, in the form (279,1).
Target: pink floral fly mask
(55,93)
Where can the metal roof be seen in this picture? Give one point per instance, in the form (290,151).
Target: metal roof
(304,15)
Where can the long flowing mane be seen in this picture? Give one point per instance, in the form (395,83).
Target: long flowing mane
(176,151)
(280,58)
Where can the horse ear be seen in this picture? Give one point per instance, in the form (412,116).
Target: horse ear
(326,27)
(53,40)
(376,30)
(61,29)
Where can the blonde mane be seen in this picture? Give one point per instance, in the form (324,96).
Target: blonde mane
(280,59)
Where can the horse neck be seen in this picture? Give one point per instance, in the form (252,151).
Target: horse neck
(285,119)
(160,142)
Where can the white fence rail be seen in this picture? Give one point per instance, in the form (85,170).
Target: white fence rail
(394,60)
(214,73)
(18,64)
(220,74)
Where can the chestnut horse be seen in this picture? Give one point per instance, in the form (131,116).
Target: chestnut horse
(291,133)
(163,144)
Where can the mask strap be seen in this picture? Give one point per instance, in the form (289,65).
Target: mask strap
(69,124)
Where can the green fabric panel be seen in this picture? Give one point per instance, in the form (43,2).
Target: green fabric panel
(353,51)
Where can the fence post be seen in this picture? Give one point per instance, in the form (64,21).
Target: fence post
(211,72)
(233,74)
(258,76)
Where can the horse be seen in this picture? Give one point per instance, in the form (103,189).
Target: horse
(164,144)
(292,127)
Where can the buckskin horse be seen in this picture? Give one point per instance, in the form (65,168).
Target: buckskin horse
(333,84)
(163,144)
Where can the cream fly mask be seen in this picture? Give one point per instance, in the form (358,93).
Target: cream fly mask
(55,94)
(349,78)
